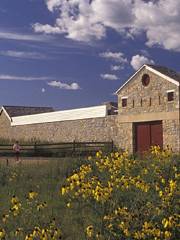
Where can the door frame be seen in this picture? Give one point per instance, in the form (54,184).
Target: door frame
(135,124)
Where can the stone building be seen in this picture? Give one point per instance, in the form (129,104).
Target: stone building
(148,114)
(149,107)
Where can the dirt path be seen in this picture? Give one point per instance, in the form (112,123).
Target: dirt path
(24,160)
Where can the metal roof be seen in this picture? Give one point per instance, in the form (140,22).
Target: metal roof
(166,71)
(14,111)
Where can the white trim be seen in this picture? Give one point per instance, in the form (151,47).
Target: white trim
(124,97)
(7,115)
(170,91)
(163,75)
(59,116)
(130,79)
(152,70)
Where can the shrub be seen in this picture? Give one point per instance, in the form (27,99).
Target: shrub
(126,198)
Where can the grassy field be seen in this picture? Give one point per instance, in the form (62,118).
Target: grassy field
(104,197)
(46,179)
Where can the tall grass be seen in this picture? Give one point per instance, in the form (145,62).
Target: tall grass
(45,179)
(108,197)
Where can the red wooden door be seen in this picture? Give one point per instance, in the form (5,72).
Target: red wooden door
(156,134)
(142,137)
(148,134)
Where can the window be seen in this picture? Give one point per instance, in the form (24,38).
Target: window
(170,96)
(133,103)
(124,102)
(150,101)
(159,100)
(145,80)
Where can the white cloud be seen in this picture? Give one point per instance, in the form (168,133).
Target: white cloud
(138,60)
(109,76)
(53,4)
(52,83)
(75,21)
(58,84)
(160,20)
(116,67)
(23,78)
(115,56)
(24,37)
(46,28)
(87,20)
(24,55)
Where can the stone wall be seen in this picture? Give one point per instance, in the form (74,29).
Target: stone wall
(97,129)
(5,126)
(171,134)
(150,103)
(118,128)
(152,98)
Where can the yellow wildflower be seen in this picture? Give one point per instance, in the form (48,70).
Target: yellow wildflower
(167,235)
(68,204)
(32,195)
(5,217)
(2,233)
(89,231)
(14,200)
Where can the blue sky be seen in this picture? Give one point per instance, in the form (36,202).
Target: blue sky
(76,53)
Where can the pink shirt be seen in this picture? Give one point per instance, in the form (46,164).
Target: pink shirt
(16,147)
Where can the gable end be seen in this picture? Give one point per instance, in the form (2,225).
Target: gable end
(148,67)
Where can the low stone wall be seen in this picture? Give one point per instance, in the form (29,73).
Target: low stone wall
(95,129)
(5,126)
(67,131)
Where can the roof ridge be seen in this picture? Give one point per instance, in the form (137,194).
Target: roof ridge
(26,106)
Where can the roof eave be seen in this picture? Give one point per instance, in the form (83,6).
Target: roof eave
(163,75)
(152,70)
(130,78)
(6,113)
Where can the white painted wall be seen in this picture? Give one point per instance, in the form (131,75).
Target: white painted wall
(73,114)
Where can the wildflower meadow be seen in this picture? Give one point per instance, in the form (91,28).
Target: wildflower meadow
(104,197)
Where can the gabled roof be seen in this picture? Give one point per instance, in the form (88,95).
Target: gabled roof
(14,111)
(167,73)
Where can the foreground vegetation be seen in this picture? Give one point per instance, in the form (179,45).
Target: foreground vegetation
(112,197)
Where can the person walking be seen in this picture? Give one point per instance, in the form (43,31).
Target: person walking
(17,149)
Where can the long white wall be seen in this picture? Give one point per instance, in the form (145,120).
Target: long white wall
(58,116)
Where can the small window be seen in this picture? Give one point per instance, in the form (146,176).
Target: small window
(159,100)
(150,101)
(124,102)
(145,80)
(170,96)
(141,102)
(133,103)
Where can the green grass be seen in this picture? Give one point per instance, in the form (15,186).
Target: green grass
(46,179)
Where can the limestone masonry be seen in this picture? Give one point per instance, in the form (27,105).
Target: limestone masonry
(148,114)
